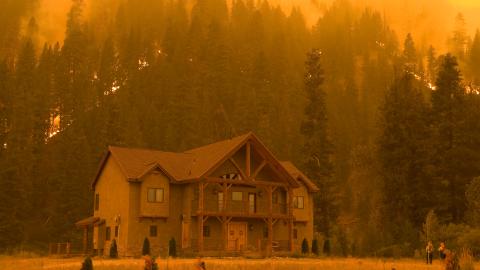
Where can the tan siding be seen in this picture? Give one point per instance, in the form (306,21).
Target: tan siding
(155,180)
(114,193)
(305,213)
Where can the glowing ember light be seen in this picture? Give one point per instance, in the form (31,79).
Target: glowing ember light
(142,63)
(431,86)
(4,145)
(381,44)
(95,76)
(54,126)
(190,59)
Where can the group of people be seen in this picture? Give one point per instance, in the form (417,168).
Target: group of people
(429,250)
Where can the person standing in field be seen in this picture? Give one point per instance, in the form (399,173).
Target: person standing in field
(441,250)
(429,250)
(201,264)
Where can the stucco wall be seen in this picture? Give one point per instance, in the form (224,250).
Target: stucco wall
(113,189)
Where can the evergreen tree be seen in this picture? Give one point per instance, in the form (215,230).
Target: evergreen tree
(410,54)
(305,248)
(146,247)
(87,264)
(113,250)
(404,152)
(315,249)
(474,59)
(450,156)
(172,248)
(317,146)
(458,41)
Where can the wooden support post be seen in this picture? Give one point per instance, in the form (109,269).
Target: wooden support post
(290,219)
(269,250)
(85,239)
(200,215)
(248,161)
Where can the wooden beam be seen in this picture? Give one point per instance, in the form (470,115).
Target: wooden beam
(85,239)
(248,160)
(243,182)
(290,220)
(269,250)
(201,187)
(244,177)
(259,168)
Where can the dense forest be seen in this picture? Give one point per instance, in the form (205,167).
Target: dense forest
(390,132)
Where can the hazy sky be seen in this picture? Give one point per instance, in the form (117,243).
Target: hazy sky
(430,21)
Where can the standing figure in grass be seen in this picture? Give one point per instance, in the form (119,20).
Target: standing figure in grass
(451,260)
(441,250)
(201,264)
(429,250)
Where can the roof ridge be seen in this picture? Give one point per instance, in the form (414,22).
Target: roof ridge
(246,135)
(147,149)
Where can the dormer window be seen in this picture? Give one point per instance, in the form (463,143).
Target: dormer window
(155,195)
(231,176)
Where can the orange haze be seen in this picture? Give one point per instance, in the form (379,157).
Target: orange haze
(430,21)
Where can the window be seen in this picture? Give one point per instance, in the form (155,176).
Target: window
(107,233)
(153,231)
(97,201)
(295,234)
(298,202)
(220,201)
(237,196)
(231,176)
(275,197)
(116,231)
(155,195)
(265,232)
(206,231)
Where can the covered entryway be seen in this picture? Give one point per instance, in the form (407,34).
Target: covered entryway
(237,236)
(86,224)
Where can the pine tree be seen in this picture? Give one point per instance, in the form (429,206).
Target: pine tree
(404,151)
(474,59)
(87,264)
(315,249)
(317,147)
(455,139)
(113,249)
(305,248)
(172,248)
(410,54)
(459,39)
(146,247)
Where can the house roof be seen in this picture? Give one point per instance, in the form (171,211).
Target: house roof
(297,174)
(189,165)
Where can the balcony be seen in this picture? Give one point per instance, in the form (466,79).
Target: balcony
(240,208)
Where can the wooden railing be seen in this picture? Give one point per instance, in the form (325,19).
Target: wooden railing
(239,208)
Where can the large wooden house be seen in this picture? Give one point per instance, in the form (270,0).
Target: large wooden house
(232,195)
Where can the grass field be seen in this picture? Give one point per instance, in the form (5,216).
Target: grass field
(10,263)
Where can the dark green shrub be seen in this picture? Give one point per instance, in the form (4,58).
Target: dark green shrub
(87,264)
(146,247)
(305,246)
(113,249)
(315,249)
(172,248)
(326,247)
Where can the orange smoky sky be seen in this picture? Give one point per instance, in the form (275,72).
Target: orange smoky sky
(430,21)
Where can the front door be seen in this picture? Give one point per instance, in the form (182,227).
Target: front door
(237,235)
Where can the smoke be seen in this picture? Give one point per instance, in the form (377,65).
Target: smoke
(429,21)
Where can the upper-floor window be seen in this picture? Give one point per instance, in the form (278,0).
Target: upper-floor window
(237,196)
(116,231)
(231,176)
(97,201)
(206,231)
(298,202)
(107,233)
(153,231)
(155,195)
